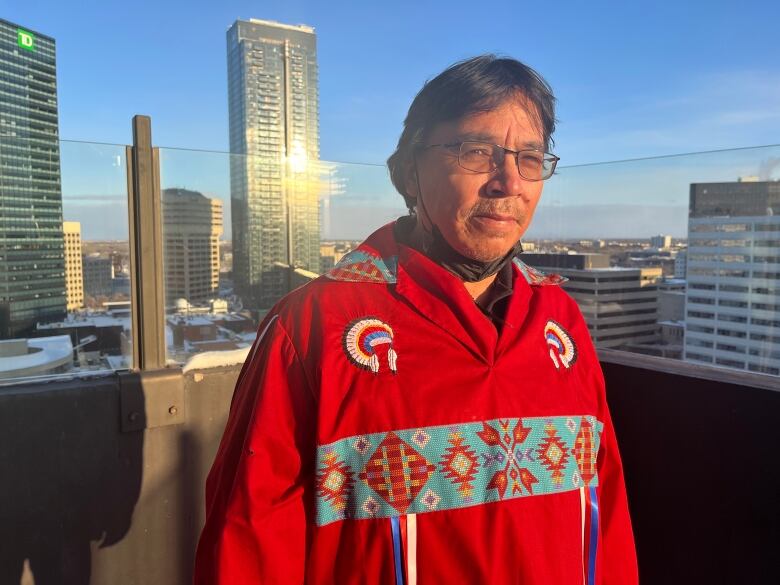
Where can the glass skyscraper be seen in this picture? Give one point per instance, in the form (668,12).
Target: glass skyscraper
(274,142)
(32,263)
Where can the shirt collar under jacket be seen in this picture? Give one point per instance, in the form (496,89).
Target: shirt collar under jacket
(494,302)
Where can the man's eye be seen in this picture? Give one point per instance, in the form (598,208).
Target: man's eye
(531,161)
(477,151)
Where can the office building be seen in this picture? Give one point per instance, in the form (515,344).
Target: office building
(32,265)
(620,305)
(192,226)
(732,309)
(98,275)
(330,254)
(671,305)
(681,264)
(661,242)
(74,277)
(274,141)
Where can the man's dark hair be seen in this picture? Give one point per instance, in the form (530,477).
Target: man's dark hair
(479,84)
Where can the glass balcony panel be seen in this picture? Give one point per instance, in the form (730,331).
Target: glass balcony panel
(618,230)
(639,218)
(64,259)
(241,231)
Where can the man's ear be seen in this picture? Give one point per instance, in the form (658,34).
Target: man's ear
(410,183)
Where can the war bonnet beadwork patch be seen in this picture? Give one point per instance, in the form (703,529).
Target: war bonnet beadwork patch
(563,350)
(368,339)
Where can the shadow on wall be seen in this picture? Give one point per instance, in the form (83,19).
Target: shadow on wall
(190,500)
(68,477)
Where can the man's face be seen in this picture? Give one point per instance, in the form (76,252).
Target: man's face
(480,215)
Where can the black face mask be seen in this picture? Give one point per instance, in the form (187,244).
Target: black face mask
(467,269)
(437,249)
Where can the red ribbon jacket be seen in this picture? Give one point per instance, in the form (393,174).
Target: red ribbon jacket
(383,431)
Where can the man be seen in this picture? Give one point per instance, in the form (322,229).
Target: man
(432,409)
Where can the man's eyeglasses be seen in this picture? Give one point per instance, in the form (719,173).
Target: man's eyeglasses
(483,157)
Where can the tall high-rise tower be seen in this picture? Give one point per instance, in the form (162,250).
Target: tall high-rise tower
(32,264)
(274,141)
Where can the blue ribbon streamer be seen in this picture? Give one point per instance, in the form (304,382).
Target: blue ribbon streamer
(594,535)
(395,527)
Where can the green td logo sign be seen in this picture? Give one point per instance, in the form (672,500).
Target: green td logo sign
(26,40)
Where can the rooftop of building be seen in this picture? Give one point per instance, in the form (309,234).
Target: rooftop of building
(183,193)
(275,24)
(34,357)
(97,320)
(26,29)
(189,320)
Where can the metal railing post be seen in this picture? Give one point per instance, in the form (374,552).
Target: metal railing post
(151,395)
(146,249)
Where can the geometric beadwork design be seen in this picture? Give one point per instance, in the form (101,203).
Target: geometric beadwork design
(552,453)
(460,464)
(371,506)
(430,499)
(428,469)
(509,436)
(397,472)
(585,451)
(360,266)
(334,482)
(361,445)
(536,277)
(421,438)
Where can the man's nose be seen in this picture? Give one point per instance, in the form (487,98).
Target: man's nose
(507,181)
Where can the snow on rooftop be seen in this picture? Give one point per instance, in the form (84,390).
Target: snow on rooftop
(216,359)
(88,321)
(40,356)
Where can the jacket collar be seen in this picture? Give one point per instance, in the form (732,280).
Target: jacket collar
(376,261)
(437,294)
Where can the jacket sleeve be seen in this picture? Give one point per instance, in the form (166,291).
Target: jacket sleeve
(258,491)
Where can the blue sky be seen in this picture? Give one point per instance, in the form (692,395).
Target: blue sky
(631,80)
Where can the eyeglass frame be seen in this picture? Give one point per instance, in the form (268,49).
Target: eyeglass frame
(514,153)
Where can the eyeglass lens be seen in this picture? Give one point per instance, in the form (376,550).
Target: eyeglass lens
(482,157)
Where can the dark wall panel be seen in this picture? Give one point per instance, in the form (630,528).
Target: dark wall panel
(701,463)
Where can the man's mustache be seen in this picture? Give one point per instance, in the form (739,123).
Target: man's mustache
(497,209)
